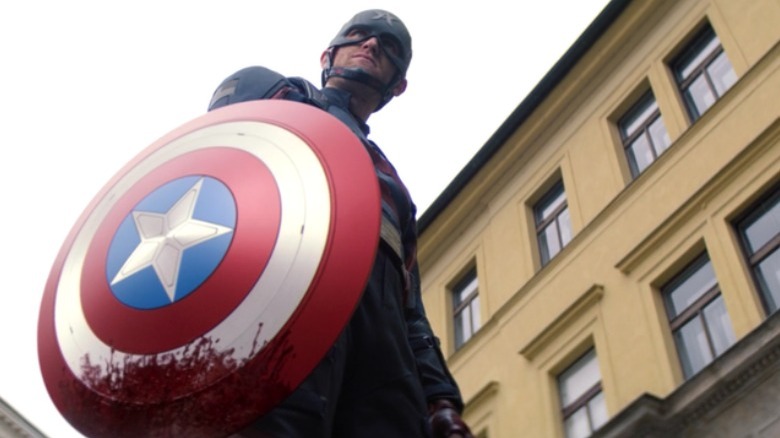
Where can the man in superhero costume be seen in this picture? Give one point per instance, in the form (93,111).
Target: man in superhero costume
(385,375)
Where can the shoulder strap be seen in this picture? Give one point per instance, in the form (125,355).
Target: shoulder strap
(306,92)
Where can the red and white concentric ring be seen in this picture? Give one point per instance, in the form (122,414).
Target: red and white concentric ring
(305,219)
(281,325)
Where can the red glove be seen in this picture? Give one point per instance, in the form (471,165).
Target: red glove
(445,420)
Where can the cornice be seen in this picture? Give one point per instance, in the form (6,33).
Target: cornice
(16,423)
(720,385)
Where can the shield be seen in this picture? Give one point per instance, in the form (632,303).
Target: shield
(211,274)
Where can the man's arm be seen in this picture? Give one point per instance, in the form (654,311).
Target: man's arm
(436,379)
(441,391)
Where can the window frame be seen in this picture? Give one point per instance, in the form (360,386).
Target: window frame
(543,223)
(694,310)
(631,116)
(755,258)
(465,305)
(583,401)
(693,49)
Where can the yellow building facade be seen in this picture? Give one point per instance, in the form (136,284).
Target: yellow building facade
(608,263)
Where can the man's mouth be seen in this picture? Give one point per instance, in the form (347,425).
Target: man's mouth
(366,56)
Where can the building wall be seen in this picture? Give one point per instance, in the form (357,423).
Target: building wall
(630,234)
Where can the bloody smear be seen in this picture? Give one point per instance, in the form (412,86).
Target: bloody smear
(149,397)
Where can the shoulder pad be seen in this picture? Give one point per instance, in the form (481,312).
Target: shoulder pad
(250,83)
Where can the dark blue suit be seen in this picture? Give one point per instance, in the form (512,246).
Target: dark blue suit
(386,366)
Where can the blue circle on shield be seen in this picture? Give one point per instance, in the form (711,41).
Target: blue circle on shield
(171,242)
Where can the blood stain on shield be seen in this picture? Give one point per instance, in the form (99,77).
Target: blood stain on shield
(161,374)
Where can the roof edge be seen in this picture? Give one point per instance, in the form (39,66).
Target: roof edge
(557,73)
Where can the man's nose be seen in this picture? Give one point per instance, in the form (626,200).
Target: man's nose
(372,43)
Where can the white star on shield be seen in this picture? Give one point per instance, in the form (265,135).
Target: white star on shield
(164,237)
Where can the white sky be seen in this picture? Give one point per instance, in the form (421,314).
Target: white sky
(88,84)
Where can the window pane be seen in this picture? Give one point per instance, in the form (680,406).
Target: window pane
(640,155)
(700,95)
(465,291)
(564,223)
(719,326)
(769,277)
(659,136)
(644,134)
(458,329)
(549,207)
(640,117)
(465,300)
(548,243)
(687,68)
(722,74)
(693,287)
(475,318)
(548,214)
(764,229)
(703,72)
(598,411)
(462,327)
(576,426)
(579,378)
(692,347)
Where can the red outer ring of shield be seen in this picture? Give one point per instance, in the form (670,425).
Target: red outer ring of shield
(243,394)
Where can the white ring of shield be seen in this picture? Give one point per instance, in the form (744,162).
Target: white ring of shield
(304,225)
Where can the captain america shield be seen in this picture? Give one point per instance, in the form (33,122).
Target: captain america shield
(211,274)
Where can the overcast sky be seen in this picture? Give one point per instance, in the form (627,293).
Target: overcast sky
(89,84)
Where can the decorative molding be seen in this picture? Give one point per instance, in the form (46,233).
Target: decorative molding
(756,356)
(722,384)
(13,422)
(588,299)
(748,156)
(489,390)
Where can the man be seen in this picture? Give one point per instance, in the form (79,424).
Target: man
(385,375)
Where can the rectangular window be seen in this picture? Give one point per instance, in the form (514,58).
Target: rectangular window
(643,134)
(465,300)
(553,224)
(697,316)
(582,401)
(760,235)
(703,72)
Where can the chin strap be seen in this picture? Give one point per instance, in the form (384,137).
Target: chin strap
(358,75)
